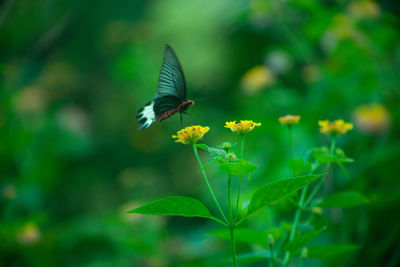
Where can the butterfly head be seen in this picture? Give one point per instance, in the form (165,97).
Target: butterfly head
(191,103)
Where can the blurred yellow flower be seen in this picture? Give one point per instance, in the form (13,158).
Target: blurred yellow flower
(242,127)
(364,9)
(29,234)
(31,99)
(334,128)
(9,192)
(372,119)
(256,78)
(191,134)
(311,73)
(343,28)
(317,210)
(289,119)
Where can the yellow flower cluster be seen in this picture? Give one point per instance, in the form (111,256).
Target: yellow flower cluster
(191,134)
(256,79)
(289,119)
(335,128)
(364,9)
(372,119)
(242,127)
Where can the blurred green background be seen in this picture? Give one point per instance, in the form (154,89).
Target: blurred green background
(72,162)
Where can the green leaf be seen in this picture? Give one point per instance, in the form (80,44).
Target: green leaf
(344,200)
(203,146)
(302,240)
(216,154)
(299,166)
(250,236)
(330,251)
(323,155)
(238,167)
(252,256)
(277,190)
(175,206)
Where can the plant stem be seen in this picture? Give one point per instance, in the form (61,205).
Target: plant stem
(333,144)
(240,178)
(295,223)
(291,141)
(229,200)
(301,262)
(242,147)
(231,222)
(271,248)
(233,246)
(321,181)
(238,198)
(206,180)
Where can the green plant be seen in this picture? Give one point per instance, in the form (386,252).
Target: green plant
(305,172)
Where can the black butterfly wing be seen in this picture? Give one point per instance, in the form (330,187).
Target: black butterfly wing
(165,104)
(171,80)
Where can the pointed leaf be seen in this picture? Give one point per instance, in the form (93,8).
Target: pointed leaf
(238,167)
(344,200)
(277,190)
(331,250)
(302,240)
(299,166)
(323,155)
(175,206)
(216,154)
(203,146)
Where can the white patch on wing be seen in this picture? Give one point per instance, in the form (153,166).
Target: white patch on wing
(146,116)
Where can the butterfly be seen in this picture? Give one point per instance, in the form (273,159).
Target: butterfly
(170,97)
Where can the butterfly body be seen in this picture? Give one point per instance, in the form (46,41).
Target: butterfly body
(180,108)
(170,97)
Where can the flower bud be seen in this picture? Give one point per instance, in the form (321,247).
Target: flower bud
(226,146)
(317,210)
(304,253)
(271,240)
(231,157)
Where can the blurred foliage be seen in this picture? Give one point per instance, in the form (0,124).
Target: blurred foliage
(73,74)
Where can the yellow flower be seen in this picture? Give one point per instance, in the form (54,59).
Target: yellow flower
(364,9)
(289,119)
(29,234)
(372,119)
(256,78)
(334,128)
(242,127)
(191,134)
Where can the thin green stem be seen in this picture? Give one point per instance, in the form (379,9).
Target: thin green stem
(233,246)
(242,147)
(321,181)
(271,249)
(206,180)
(301,262)
(295,223)
(291,141)
(231,222)
(240,179)
(238,199)
(333,144)
(229,201)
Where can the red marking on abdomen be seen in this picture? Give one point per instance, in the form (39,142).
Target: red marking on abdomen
(171,112)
